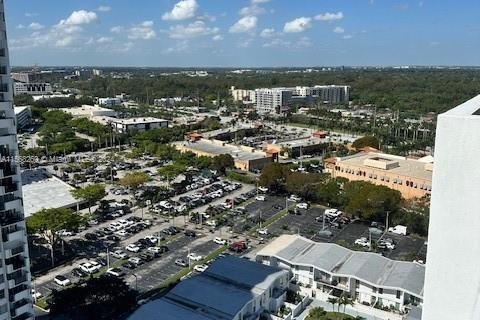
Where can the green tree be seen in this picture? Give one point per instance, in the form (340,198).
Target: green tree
(367,141)
(273,176)
(317,313)
(333,301)
(303,184)
(222,162)
(91,194)
(47,223)
(345,301)
(104,298)
(134,180)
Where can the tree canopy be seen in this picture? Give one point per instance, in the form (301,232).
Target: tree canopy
(106,297)
(367,141)
(91,193)
(134,180)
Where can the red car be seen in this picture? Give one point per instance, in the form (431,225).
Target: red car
(238,246)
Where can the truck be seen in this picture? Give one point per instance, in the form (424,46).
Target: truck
(398,229)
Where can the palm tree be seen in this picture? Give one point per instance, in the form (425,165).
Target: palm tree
(333,301)
(346,300)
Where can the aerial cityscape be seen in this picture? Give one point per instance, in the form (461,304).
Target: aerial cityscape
(243,160)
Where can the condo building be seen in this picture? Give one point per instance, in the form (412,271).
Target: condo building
(273,102)
(15,295)
(452,282)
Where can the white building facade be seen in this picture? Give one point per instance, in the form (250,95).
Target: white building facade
(273,102)
(452,284)
(15,278)
(36,88)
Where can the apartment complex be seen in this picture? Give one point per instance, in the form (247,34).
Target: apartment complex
(23,116)
(136,124)
(110,102)
(452,282)
(230,289)
(242,95)
(384,288)
(245,158)
(330,94)
(412,177)
(274,101)
(15,296)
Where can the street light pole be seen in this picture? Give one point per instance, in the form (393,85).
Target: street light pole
(108,258)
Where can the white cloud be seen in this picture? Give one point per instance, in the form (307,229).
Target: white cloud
(339,30)
(347,36)
(275,43)
(245,24)
(217,37)
(104,39)
(298,25)
(259,1)
(35,26)
(31,14)
(64,41)
(20,26)
(142,31)
(192,30)
(329,16)
(267,33)
(304,42)
(116,29)
(104,8)
(79,17)
(182,10)
(253,10)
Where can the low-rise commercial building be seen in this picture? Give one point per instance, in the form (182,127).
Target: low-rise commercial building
(139,124)
(384,288)
(298,147)
(110,102)
(230,289)
(245,158)
(88,111)
(412,177)
(23,115)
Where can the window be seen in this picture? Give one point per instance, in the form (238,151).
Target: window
(398,294)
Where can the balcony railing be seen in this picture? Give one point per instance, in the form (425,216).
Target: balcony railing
(3,87)
(8,217)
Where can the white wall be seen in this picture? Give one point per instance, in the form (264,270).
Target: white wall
(452,281)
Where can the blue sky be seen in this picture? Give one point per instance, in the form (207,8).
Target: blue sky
(241,33)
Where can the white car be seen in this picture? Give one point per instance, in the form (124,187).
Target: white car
(115,272)
(36,294)
(155,250)
(363,242)
(263,231)
(62,280)
(200,267)
(195,257)
(132,248)
(262,189)
(88,267)
(64,233)
(302,205)
(294,198)
(220,241)
(260,198)
(332,213)
(119,254)
(152,239)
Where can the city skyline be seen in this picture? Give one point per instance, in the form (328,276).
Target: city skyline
(253,33)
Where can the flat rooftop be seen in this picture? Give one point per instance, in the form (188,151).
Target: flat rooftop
(406,167)
(138,120)
(339,261)
(216,147)
(43,191)
(19,110)
(220,292)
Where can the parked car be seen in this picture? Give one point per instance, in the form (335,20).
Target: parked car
(119,254)
(135,260)
(302,205)
(220,241)
(91,236)
(36,294)
(79,273)
(363,242)
(195,257)
(62,280)
(117,272)
(200,267)
(263,231)
(294,198)
(190,233)
(402,230)
(238,246)
(260,198)
(181,263)
(132,248)
(129,265)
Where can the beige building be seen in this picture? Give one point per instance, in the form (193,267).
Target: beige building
(245,158)
(412,177)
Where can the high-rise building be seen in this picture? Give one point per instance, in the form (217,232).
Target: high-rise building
(273,102)
(15,278)
(452,281)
